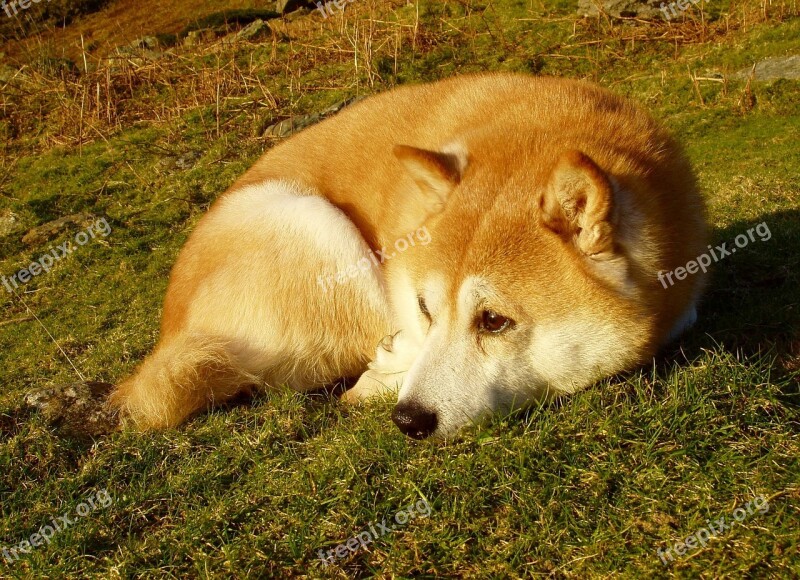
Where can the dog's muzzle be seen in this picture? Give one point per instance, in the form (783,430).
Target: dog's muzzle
(414,420)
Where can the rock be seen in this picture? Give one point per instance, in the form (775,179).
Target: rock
(295,124)
(134,55)
(78,410)
(195,37)
(251,30)
(255,28)
(140,51)
(290,125)
(56,67)
(644,9)
(50,230)
(187,160)
(770,69)
(9,223)
(145,42)
(182,162)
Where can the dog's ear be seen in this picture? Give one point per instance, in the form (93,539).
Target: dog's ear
(577,204)
(435,173)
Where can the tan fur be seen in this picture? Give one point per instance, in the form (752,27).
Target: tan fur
(183,375)
(554,200)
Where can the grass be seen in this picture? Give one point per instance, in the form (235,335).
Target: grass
(593,486)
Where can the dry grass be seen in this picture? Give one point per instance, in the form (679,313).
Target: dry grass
(108,91)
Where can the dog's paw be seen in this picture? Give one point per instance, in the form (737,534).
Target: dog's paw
(395,354)
(374,384)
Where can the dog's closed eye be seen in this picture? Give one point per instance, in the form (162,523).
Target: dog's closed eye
(424,308)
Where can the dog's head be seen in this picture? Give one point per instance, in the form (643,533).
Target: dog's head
(523,293)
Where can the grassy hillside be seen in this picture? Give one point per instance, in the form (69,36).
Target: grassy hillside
(147,137)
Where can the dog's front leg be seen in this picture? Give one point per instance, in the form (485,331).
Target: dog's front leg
(393,358)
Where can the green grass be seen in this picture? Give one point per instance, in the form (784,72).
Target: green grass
(592,486)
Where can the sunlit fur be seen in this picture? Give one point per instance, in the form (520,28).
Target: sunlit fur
(552,202)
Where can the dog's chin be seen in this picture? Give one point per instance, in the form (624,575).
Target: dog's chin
(440,436)
(448,432)
(451,432)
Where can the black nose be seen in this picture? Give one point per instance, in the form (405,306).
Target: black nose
(413,420)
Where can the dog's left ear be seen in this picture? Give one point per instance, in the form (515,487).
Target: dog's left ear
(436,174)
(577,204)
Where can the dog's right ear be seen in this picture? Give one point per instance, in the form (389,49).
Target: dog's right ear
(435,173)
(577,205)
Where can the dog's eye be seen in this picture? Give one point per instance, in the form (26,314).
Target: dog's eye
(493,322)
(423,307)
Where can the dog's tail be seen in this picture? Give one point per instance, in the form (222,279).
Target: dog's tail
(184,375)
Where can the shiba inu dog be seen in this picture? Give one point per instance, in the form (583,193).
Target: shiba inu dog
(549,206)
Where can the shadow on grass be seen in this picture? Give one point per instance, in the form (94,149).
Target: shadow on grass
(752,303)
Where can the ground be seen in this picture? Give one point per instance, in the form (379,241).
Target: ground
(601,484)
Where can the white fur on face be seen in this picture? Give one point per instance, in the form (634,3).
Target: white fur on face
(569,354)
(459,375)
(463,375)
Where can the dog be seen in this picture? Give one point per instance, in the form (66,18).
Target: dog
(550,207)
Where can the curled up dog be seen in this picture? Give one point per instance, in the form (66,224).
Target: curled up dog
(550,206)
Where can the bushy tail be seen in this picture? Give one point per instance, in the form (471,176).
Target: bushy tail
(184,375)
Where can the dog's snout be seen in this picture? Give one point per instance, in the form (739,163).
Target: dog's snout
(414,420)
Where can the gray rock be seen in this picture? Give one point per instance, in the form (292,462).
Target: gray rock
(9,223)
(147,42)
(138,53)
(252,30)
(56,67)
(295,124)
(182,162)
(78,409)
(249,32)
(195,37)
(770,69)
(137,56)
(291,125)
(187,160)
(50,230)
(644,9)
